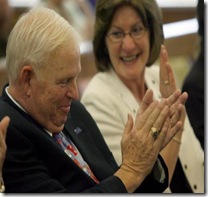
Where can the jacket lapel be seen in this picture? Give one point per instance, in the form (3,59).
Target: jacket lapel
(81,137)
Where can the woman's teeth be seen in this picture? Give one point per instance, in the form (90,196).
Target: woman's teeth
(128,59)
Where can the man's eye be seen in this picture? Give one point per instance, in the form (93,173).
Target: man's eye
(63,82)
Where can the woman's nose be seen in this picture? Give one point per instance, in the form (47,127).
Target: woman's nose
(128,43)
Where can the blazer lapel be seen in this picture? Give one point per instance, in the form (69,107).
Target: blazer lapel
(123,92)
(81,137)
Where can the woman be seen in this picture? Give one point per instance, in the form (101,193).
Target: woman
(127,41)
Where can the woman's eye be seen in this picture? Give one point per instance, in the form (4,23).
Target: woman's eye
(137,29)
(117,34)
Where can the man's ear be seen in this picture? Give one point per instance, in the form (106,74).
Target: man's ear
(26,75)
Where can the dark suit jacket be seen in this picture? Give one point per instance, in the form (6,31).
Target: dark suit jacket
(35,163)
(194,83)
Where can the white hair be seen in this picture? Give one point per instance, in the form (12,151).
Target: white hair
(34,37)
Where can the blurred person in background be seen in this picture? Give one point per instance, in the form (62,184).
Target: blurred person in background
(78,13)
(127,41)
(5,25)
(5,11)
(194,83)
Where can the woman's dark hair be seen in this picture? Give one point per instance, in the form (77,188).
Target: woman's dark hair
(151,17)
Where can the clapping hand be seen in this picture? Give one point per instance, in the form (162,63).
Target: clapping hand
(152,131)
(167,81)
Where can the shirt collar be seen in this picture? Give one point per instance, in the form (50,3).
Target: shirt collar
(18,105)
(14,101)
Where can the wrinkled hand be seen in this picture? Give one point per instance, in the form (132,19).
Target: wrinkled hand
(176,117)
(167,82)
(3,129)
(137,143)
(139,147)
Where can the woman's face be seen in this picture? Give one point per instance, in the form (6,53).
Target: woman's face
(129,55)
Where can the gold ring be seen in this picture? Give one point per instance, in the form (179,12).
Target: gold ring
(166,82)
(154,132)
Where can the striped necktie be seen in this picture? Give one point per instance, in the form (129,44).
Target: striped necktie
(70,149)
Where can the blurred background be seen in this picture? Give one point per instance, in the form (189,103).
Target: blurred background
(180,29)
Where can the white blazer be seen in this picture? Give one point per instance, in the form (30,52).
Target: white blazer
(109,101)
